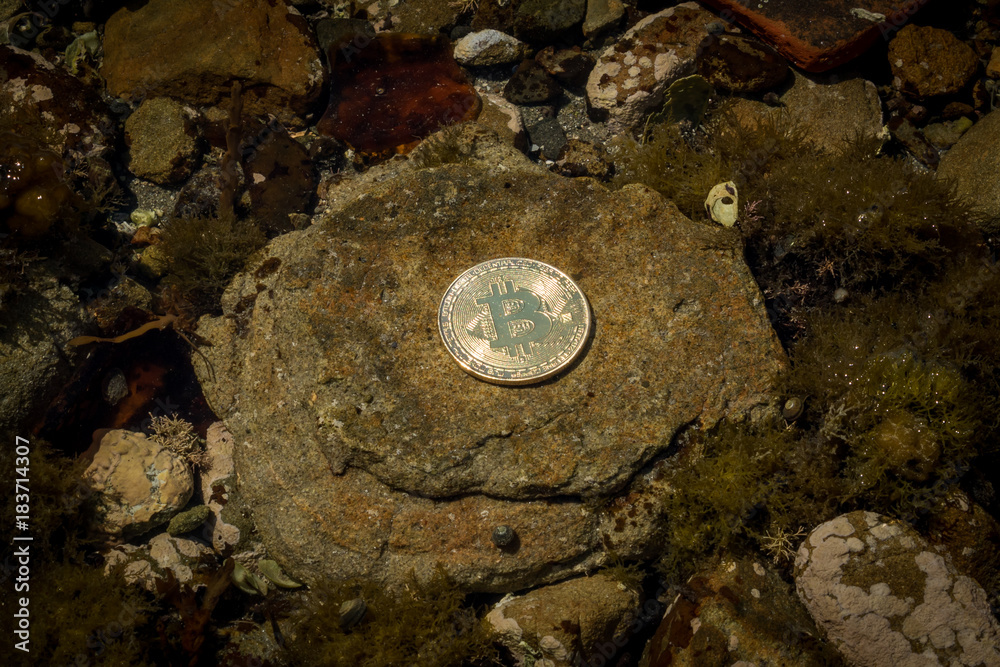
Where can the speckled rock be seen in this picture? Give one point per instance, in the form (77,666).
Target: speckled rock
(531,84)
(144,564)
(738,64)
(217,484)
(42,102)
(631,76)
(135,484)
(929,62)
(366,451)
(886,598)
(162,140)
(582,158)
(973,164)
(211,44)
(548,137)
(728,614)
(489,47)
(829,111)
(566,623)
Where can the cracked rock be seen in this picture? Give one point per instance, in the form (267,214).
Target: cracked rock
(367,451)
(886,598)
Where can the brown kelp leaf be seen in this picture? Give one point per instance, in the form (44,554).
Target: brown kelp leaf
(390,91)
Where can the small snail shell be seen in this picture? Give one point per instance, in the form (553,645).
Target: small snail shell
(793,408)
(502,536)
(351,613)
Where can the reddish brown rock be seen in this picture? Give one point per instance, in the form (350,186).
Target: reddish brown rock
(211,43)
(818,35)
(390,92)
(929,62)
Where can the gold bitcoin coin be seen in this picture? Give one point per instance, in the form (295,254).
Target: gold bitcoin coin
(514,320)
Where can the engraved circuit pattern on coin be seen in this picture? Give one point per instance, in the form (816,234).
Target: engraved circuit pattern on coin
(514,320)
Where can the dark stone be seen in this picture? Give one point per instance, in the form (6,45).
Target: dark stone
(280,178)
(548,135)
(570,66)
(531,84)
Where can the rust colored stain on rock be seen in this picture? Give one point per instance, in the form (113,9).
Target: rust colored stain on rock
(818,35)
(392,92)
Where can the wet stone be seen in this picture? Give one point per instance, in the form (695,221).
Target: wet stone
(271,50)
(369,452)
(531,84)
(885,597)
(489,47)
(818,35)
(928,62)
(737,64)
(548,135)
(570,66)
(162,139)
(394,90)
(631,76)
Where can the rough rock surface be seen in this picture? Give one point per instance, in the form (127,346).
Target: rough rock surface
(602,15)
(972,537)
(566,622)
(41,101)
(739,610)
(886,598)
(828,111)
(927,62)
(136,483)
(489,47)
(367,451)
(973,164)
(146,563)
(34,323)
(738,64)
(217,481)
(504,118)
(211,44)
(162,141)
(631,76)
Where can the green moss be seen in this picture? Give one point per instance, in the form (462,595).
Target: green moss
(78,611)
(424,624)
(203,255)
(812,222)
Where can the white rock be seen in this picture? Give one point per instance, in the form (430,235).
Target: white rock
(489,47)
(887,600)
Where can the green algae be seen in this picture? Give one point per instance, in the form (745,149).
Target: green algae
(429,620)
(204,253)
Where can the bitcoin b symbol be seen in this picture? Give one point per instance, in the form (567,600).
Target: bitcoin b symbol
(517,318)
